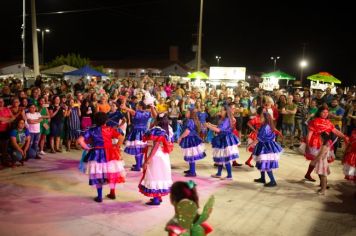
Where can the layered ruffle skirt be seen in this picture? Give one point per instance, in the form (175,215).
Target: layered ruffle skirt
(193,148)
(266,155)
(225,148)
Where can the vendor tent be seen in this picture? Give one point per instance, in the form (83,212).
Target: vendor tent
(85,71)
(59,70)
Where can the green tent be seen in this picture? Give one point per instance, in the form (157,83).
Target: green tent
(278,75)
(198,75)
(324,77)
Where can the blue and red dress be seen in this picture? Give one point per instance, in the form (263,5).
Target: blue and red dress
(104,163)
(157,177)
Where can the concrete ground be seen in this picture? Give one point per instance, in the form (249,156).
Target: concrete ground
(51,197)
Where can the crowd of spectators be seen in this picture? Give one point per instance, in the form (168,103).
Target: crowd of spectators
(50,116)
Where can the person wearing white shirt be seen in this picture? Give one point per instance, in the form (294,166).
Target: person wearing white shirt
(34,119)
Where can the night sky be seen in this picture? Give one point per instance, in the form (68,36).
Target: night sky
(243,34)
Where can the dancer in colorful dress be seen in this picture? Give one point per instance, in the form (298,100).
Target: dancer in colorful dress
(156,180)
(225,143)
(187,220)
(134,143)
(317,126)
(104,163)
(349,160)
(321,162)
(254,124)
(203,115)
(191,143)
(267,151)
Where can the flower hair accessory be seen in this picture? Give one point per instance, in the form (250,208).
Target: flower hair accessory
(191,184)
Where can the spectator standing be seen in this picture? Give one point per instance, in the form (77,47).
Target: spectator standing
(17,111)
(44,125)
(86,111)
(327,98)
(6,118)
(299,115)
(73,122)
(173,114)
(351,118)
(56,112)
(336,114)
(33,120)
(288,121)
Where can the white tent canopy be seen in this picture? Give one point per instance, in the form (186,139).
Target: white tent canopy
(15,69)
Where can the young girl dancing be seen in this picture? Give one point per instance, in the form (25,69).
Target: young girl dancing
(349,160)
(321,162)
(104,163)
(317,126)
(191,143)
(254,124)
(225,143)
(157,178)
(267,151)
(134,143)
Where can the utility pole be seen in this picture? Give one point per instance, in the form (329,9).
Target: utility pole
(36,66)
(24,42)
(200,34)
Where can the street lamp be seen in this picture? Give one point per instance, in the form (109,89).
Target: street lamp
(43,31)
(274,59)
(218,59)
(200,35)
(302,64)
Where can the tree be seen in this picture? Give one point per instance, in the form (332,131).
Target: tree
(70,59)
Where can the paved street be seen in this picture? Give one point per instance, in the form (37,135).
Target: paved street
(51,197)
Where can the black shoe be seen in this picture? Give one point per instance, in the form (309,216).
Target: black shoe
(309,178)
(190,174)
(235,164)
(38,157)
(186,171)
(111,196)
(260,180)
(97,199)
(152,203)
(135,169)
(271,184)
(160,199)
(291,147)
(249,164)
